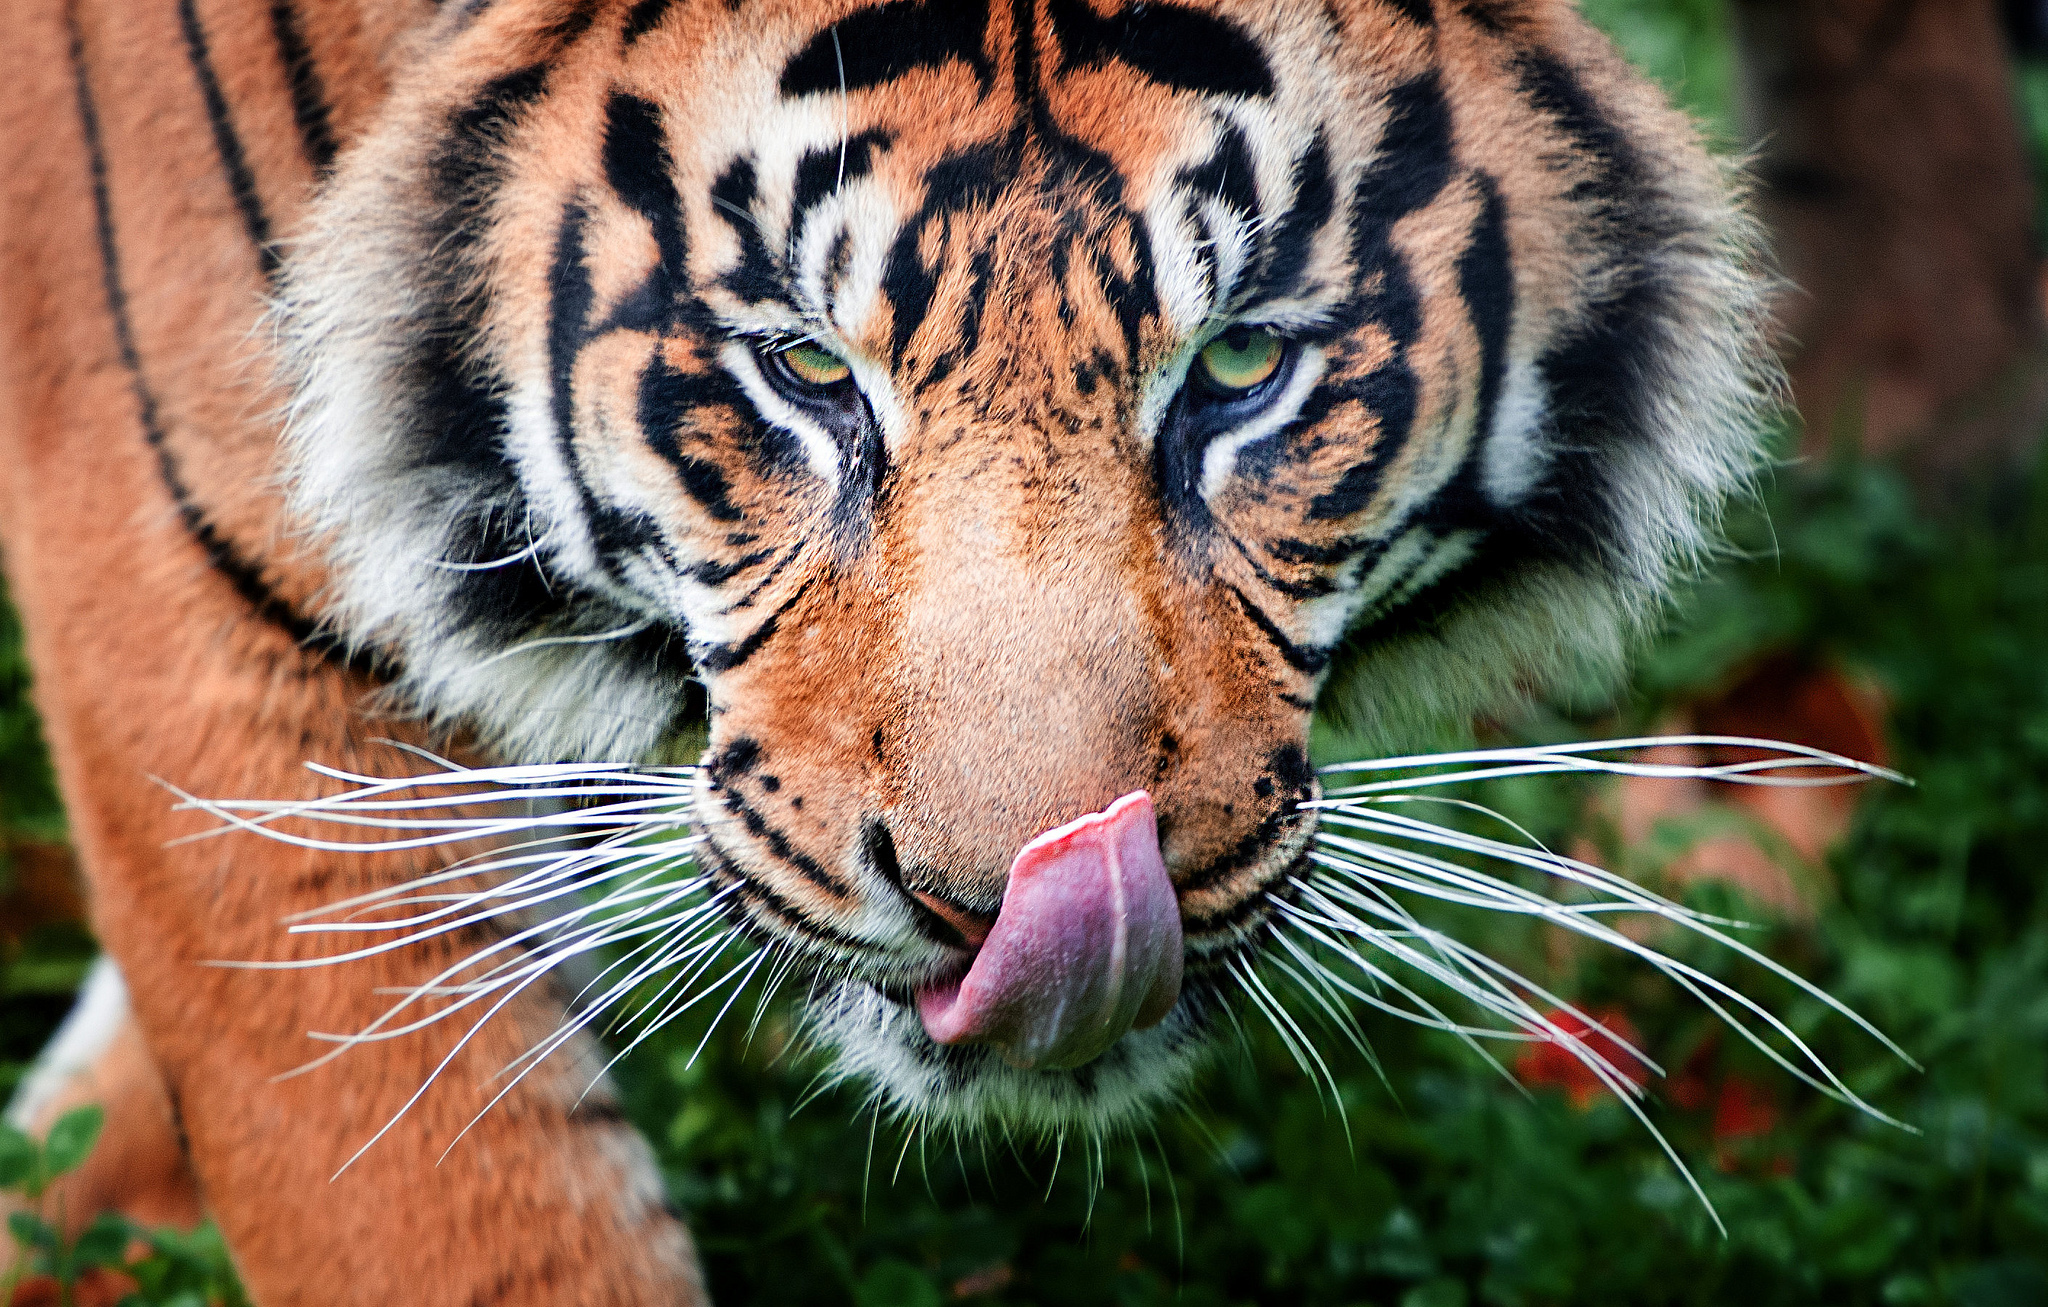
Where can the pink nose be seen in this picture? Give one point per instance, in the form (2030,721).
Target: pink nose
(1087,946)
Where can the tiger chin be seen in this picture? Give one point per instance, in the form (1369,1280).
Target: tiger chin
(988,418)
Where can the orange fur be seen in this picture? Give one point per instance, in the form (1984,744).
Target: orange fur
(149,664)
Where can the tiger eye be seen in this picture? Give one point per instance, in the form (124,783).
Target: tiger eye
(1242,358)
(814,366)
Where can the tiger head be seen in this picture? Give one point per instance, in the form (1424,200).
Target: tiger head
(1003,426)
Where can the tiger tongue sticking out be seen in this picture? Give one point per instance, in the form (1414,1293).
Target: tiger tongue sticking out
(1087,946)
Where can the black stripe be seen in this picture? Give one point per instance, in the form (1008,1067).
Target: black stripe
(670,398)
(1598,380)
(1256,902)
(1299,658)
(725,657)
(221,553)
(1497,17)
(458,409)
(309,93)
(1171,44)
(1415,11)
(789,556)
(822,172)
(1229,176)
(1286,252)
(963,180)
(640,168)
(1486,278)
(882,44)
(755,277)
(780,847)
(1413,165)
(614,532)
(745,889)
(233,161)
(1313,588)
(643,18)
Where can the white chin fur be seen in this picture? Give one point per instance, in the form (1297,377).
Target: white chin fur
(970,1089)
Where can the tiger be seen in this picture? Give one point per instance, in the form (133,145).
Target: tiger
(985,436)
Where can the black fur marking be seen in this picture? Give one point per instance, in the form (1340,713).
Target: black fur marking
(643,18)
(1288,771)
(459,413)
(711,573)
(737,758)
(1286,251)
(640,170)
(1412,169)
(1255,903)
(780,847)
(573,23)
(878,850)
(822,172)
(881,44)
(982,272)
(242,575)
(1227,176)
(1497,17)
(705,482)
(1486,281)
(725,657)
(749,895)
(1596,380)
(614,532)
(1414,162)
(1313,588)
(309,93)
(668,399)
(1415,11)
(961,181)
(234,161)
(1301,659)
(756,277)
(1170,44)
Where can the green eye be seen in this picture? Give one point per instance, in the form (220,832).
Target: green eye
(813,366)
(1241,358)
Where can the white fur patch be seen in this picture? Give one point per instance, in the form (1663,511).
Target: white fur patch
(87,1033)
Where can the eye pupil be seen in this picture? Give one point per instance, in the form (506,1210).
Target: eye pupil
(1241,359)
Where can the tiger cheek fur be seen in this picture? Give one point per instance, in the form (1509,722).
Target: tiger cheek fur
(849,376)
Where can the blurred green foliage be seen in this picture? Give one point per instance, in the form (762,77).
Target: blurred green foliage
(167,1268)
(1459,1189)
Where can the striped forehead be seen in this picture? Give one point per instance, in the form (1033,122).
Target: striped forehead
(1175,115)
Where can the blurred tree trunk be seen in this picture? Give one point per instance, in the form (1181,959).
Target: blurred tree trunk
(1896,177)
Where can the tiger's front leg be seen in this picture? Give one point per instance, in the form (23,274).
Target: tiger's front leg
(545,1200)
(137,519)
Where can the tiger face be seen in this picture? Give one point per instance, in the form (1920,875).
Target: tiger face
(988,418)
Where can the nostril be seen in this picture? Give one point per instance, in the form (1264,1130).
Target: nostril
(972,927)
(938,918)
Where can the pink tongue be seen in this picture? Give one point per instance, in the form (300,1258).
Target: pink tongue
(1086,947)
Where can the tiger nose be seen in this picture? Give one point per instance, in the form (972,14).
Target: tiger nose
(940,918)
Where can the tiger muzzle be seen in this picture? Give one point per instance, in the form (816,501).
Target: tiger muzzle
(1086,948)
